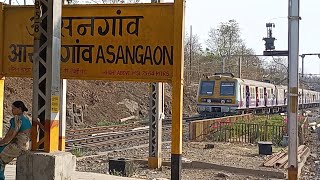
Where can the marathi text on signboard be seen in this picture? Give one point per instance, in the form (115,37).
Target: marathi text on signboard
(123,42)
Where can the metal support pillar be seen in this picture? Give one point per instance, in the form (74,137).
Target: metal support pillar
(293,87)
(177,90)
(302,88)
(155,124)
(63,115)
(1,105)
(46,74)
(155,128)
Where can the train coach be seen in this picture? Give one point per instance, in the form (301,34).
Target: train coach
(223,94)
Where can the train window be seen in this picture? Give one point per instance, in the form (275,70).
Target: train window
(244,92)
(252,93)
(207,87)
(227,89)
(261,93)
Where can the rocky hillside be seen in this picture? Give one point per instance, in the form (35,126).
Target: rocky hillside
(103,101)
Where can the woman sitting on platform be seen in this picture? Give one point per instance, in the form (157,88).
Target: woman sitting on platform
(17,139)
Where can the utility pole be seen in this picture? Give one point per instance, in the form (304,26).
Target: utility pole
(198,68)
(240,62)
(302,86)
(293,45)
(190,53)
(223,64)
(239,66)
(303,56)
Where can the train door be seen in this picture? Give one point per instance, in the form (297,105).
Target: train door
(247,96)
(240,101)
(276,95)
(313,98)
(243,99)
(272,97)
(257,97)
(265,96)
(285,97)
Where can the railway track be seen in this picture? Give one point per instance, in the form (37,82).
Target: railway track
(111,139)
(111,136)
(86,132)
(114,142)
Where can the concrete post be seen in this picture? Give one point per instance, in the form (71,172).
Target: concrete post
(40,166)
(293,88)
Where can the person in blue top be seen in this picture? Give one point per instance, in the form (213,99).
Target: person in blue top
(17,139)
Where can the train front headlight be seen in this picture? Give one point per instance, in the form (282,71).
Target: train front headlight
(208,108)
(202,108)
(228,101)
(203,100)
(225,109)
(209,100)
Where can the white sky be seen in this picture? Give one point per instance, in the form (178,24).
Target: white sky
(252,15)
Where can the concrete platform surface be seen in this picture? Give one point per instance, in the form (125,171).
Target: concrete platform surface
(10,174)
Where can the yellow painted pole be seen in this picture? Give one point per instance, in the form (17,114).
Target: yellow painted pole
(177,93)
(51,143)
(1,34)
(1,67)
(63,113)
(1,105)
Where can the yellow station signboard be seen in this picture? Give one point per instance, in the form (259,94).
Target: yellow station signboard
(111,42)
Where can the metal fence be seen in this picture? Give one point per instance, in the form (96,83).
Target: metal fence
(245,132)
(242,129)
(199,129)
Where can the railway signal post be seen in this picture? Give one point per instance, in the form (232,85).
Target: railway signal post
(293,63)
